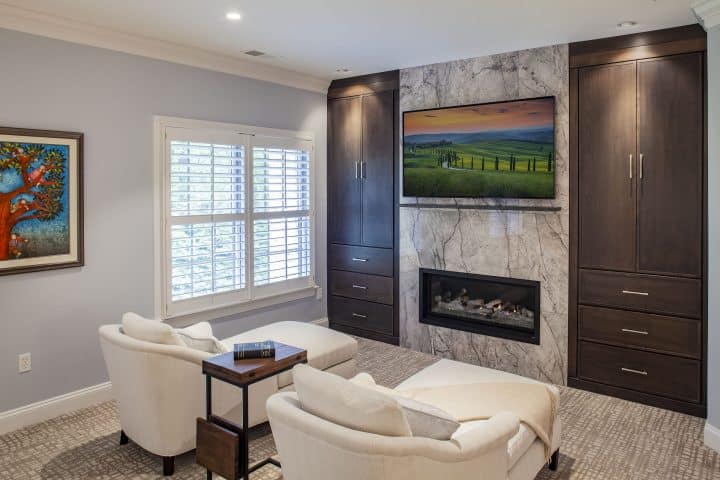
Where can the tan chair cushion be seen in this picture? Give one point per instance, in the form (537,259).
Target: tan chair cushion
(342,402)
(326,348)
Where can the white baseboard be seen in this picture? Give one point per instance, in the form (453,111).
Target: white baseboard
(54,407)
(712,437)
(323,322)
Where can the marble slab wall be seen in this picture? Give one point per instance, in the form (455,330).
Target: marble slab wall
(521,244)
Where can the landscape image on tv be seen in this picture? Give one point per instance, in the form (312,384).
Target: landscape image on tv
(504,149)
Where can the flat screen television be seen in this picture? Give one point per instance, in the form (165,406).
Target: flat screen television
(501,150)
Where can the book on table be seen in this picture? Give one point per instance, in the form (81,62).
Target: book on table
(244,351)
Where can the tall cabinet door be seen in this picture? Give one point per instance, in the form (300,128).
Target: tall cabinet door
(344,190)
(670,126)
(607,166)
(377,156)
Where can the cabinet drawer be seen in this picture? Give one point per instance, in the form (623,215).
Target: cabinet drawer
(653,373)
(361,286)
(377,261)
(361,314)
(673,335)
(675,296)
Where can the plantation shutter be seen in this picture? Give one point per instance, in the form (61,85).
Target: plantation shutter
(206,219)
(281,214)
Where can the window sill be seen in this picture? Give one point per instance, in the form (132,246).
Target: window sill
(211,313)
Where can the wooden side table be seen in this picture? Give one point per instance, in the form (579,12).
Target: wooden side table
(222,447)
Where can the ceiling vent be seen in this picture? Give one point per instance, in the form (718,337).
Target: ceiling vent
(255,53)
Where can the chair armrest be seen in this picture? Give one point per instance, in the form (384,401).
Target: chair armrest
(497,431)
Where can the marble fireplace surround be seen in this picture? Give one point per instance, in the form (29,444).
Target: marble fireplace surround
(526,244)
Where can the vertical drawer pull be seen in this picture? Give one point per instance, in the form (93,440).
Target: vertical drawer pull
(358,315)
(636,372)
(631,167)
(630,330)
(631,292)
(361,287)
(356,259)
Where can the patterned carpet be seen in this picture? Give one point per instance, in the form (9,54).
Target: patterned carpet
(603,438)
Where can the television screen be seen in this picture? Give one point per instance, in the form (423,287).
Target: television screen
(504,149)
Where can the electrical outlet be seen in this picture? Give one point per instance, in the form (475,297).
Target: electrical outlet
(24,362)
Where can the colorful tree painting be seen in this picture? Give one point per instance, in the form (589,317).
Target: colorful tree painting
(32,188)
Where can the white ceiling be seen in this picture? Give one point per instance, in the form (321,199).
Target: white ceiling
(316,37)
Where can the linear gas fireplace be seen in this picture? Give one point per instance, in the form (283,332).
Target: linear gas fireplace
(496,306)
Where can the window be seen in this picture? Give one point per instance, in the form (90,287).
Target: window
(237,215)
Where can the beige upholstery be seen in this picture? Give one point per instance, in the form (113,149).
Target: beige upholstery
(312,448)
(326,348)
(160,388)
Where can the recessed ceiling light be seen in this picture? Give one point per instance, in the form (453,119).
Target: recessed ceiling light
(342,70)
(234,16)
(627,24)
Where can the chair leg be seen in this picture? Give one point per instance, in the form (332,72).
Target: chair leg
(168,466)
(123,438)
(554,461)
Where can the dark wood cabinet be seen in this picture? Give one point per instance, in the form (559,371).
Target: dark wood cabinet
(607,147)
(638,318)
(362,205)
(670,150)
(345,150)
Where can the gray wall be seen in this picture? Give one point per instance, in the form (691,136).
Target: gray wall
(112,97)
(714,227)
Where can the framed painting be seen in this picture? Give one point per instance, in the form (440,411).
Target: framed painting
(41,221)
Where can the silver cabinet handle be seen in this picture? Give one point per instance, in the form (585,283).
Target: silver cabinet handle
(358,315)
(356,259)
(631,292)
(639,332)
(361,287)
(641,166)
(357,170)
(636,372)
(363,169)
(631,167)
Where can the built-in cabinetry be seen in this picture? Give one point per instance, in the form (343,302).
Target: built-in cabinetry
(362,211)
(638,141)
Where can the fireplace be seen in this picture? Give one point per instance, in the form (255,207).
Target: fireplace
(497,306)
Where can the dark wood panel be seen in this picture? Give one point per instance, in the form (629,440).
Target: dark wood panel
(690,408)
(361,314)
(649,293)
(361,286)
(673,377)
(377,261)
(606,140)
(364,84)
(344,156)
(380,337)
(670,135)
(574,220)
(218,448)
(657,333)
(671,41)
(377,169)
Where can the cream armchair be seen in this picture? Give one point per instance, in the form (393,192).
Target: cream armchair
(312,448)
(160,388)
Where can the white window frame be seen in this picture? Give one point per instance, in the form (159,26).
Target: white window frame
(251,297)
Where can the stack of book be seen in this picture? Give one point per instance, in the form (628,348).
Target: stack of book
(244,351)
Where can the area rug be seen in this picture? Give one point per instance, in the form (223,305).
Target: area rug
(603,438)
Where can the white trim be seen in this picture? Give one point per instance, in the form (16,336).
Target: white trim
(712,437)
(268,296)
(37,23)
(323,322)
(707,12)
(54,407)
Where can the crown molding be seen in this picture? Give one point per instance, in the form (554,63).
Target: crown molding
(707,12)
(36,23)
